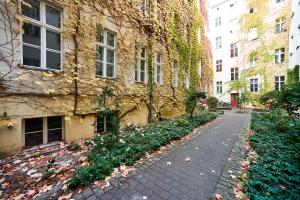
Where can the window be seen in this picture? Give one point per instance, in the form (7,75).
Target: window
(158,73)
(175,74)
(219,65)
(41,40)
(218,21)
(253,62)
(279,55)
(280,25)
(234,74)
(43,130)
(105,63)
(233,50)
(254,85)
(187,81)
(279,82)
(103,124)
(278,1)
(140,69)
(219,87)
(218,42)
(146,7)
(251,10)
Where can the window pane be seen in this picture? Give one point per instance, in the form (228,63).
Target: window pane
(32,34)
(143,53)
(110,56)
(110,39)
(143,64)
(100,124)
(31,56)
(53,40)
(109,70)
(100,52)
(99,68)
(53,60)
(34,11)
(142,76)
(33,124)
(33,139)
(52,16)
(54,122)
(100,37)
(55,135)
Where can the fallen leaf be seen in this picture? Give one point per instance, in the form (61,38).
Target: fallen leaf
(213,171)
(30,193)
(218,196)
(187,160)
(230,171)
(144,197)
(168,163)
(281,186)
(232,176)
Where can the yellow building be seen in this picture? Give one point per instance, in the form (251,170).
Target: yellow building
(60,60)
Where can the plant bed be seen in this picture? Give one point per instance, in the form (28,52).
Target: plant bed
(274,170)
(125,148)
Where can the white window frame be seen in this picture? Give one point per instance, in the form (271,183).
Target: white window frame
(45,128)
(280,25)
(278,53)
(219,87)
(218,21)
(158,71)
(218,42)
(106,47)
(187,81)
(219,65)
(145,7)
(175,74)
(253,82)
(280,81)
(234,73)
(253,62)
(137,69)
(43,30)
(234,50)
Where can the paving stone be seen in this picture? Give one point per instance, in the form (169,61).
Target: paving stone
(87,193)
(206,172)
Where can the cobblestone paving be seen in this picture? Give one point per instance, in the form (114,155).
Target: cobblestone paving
(170,176)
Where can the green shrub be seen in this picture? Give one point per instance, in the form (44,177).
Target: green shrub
(212,103)
(133,143)
(275,174)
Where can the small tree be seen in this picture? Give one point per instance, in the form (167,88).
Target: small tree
(192,100)
(289,99)
(212,102)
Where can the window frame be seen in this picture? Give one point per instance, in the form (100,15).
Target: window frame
(219,65)
(254,86)
(45,128)
(218,42)
(218,21)
(175,73)
(234,50)
(157,72)
(219,87)
(234,74)
(280,24)
(280,53)
(43,32)
(137,69)
(280,80)
(106,47)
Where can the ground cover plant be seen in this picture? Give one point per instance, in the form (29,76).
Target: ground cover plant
(275,173)
(131,143)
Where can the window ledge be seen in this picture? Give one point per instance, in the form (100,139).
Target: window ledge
(40,68)
(104,77)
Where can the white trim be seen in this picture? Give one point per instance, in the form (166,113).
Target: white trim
(43,43)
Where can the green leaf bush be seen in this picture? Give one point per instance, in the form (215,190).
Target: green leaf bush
(275,174)
(133,143)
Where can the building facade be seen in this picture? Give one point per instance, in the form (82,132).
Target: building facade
(250,47)
(294,40)
(66,68)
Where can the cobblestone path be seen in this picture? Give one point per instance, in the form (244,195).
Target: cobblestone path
(170,176)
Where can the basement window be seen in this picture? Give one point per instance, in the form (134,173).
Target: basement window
(104,124)
(43,130)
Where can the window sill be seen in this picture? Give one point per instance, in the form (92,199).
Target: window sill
(104,77)
(40,68)
(140,82)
